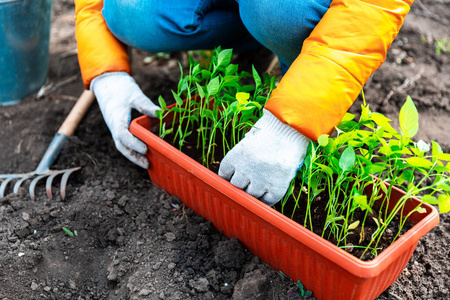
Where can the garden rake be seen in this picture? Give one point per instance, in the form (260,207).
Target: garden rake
(43,170)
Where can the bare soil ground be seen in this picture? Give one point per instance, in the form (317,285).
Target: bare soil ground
(137,242)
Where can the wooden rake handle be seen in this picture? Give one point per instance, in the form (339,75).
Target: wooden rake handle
(65,131)
(77,113)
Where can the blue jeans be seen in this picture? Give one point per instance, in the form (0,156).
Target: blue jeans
(178,25)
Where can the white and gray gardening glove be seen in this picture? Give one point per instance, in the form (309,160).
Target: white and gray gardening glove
(117,93)
(265,161)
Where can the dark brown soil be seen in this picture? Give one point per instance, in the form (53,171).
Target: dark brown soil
(135,241)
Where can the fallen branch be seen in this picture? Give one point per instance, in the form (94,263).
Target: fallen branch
(403,86)
(51,87)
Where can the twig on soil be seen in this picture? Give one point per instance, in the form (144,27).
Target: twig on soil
(93,160)
(403,86)
(395,296)
(272,64)
(183,214)
(51,87)
(69,53)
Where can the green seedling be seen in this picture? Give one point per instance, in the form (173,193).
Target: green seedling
(218,104)
(342,167)
(303,291)
(442,46)
(70,233)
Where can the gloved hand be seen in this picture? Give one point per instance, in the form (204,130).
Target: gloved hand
(265,161)
(117,93)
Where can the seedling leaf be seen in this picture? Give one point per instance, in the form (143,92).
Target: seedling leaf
(409,119)
(353,225)
(213,86)
(162,103)
(68,232)
(423,147)
(200,90)
(419,162)
(323,140)
(177,98)
(442,156)
(347,160)
(429,199)
(242,96)
(224,57)
(444,203)
(231,69)
(256,77)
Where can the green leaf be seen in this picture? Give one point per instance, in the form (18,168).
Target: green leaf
(423,146)
(435,148)
(444,203)
(68,232)
(241,96)
(375,168)
(361,202)
(326,169)
(254,103)
(429,199)
(196,69)
(419,162)
(407,175)
(409,119)
(162,103)
(412,188)
(444,186)
(247,88)
(383,122)
(331,146)
(347,160)
(353,225)
(348,117)
(301,288)
(200,90)
(213,86)
(230,80)
(331,219)
(224,57)
(231,69)
(323,140)
(178,99)
(206,75)
(442,156)
(256,77)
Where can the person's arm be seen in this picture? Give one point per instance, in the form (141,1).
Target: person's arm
(105,70)
(345,48)
(98,50)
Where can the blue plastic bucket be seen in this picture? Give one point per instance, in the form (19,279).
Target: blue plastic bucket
(24,47)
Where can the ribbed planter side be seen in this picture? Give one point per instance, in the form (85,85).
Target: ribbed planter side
(328,271)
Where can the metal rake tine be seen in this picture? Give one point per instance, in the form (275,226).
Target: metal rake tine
(48,184)
(19,182)
(3,186)
(33,185)
(64,179)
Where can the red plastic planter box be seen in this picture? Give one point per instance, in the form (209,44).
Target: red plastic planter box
(330,272)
